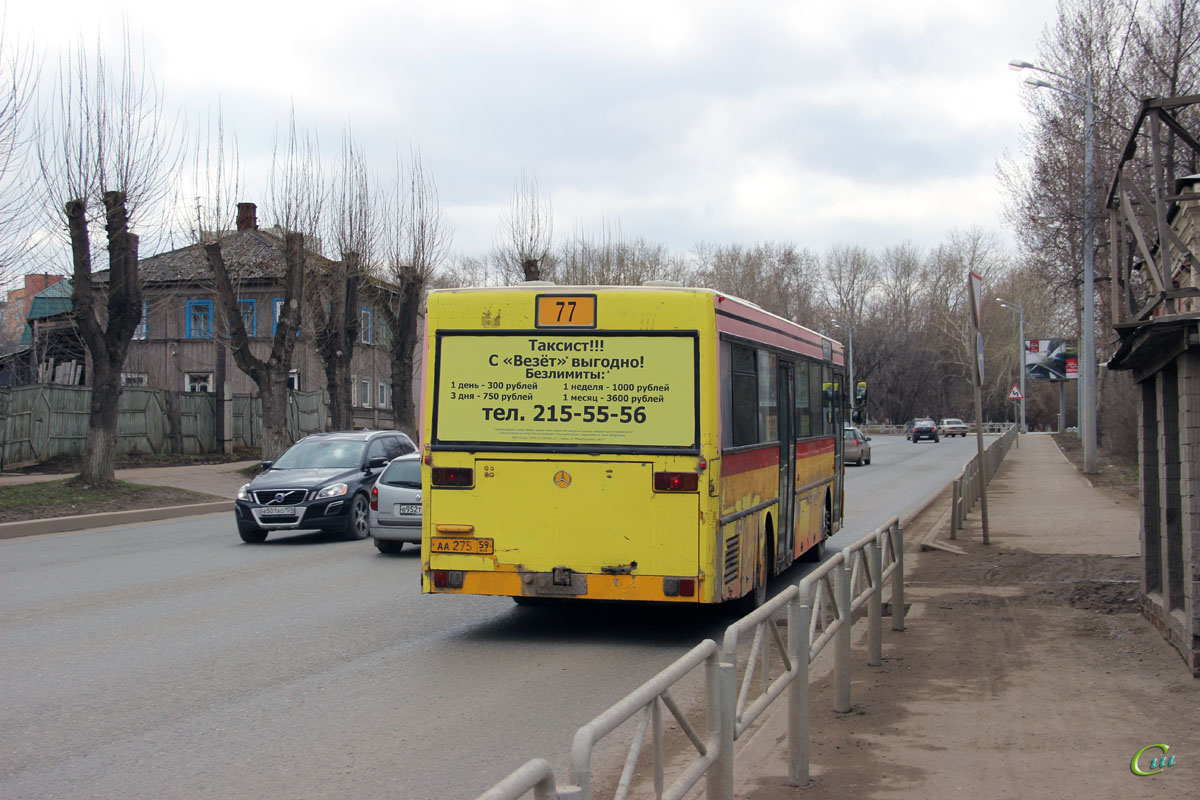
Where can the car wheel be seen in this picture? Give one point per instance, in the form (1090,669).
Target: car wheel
(252,535)
(935,438)
(358,524)
(388,547)
(868,461)
(914,438)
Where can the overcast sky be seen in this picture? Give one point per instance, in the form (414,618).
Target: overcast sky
(867,122)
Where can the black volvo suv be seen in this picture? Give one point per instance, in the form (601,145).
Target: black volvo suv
(322,482)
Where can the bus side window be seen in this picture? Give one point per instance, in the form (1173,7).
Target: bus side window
(744,405)
(768,403)
(801,393)
(828,399)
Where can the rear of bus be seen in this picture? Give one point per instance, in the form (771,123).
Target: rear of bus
(563,444)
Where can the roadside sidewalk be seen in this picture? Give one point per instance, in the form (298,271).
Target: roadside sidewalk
(218,480)
(1024,670)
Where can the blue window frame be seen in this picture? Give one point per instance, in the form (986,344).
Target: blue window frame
(249,311)
(143,329)
(365,334)
(276,306)
(199,314)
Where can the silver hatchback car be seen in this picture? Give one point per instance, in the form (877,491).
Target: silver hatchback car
(395,516)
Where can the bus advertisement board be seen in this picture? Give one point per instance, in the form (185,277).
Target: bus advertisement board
(600,389)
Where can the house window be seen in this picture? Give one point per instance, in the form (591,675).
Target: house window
(382,395)
(142,331)
(365,392)
(199,319)
(385,333)
(365,334)
(134,379)
(249,311)
(293,380)
(198,382)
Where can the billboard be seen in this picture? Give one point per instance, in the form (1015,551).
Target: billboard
(1051,360)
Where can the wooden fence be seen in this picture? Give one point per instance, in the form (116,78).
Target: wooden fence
(43,421)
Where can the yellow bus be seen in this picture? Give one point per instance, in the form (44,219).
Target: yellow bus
(653,443)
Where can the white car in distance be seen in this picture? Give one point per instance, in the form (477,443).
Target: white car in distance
(395,516)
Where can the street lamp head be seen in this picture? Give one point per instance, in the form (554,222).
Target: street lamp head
(1017,64)
(1037,83)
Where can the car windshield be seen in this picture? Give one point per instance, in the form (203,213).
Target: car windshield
(952,421)
(321,454)
(402,472)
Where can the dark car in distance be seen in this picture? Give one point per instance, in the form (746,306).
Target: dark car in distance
(322,482)
(923,428)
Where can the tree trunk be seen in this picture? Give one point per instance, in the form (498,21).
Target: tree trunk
(274,395)
(108,343)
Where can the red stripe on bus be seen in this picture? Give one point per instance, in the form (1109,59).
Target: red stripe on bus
(814,447)
(749,460)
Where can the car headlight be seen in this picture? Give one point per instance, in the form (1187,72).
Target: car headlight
(244,492)
(333,490)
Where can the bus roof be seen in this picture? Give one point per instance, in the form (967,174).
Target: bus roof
(549,287)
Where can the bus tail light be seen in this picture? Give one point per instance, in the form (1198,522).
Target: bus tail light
(679,587)
(452,476)
(676,481)
(447,578)
(374,498)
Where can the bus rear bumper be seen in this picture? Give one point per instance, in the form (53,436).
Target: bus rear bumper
(568,584)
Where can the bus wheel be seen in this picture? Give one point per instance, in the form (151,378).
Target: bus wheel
(816,553)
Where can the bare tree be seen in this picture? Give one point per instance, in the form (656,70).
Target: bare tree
(297,198)
(107,152)
(17,79)
(610,258)
(332,294)
(526,232)
(417,239)
(775,275)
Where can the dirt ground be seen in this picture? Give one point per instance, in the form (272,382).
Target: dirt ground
(1018,675)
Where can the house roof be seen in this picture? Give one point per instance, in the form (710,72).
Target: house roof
(249,255)
(50,302)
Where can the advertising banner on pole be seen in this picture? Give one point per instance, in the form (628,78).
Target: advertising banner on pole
(1051,360)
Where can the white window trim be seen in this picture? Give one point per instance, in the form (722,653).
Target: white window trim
(382,397)
(353,390)
(366,400)
(187,383)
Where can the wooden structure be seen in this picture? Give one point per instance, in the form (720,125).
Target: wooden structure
(1154,222)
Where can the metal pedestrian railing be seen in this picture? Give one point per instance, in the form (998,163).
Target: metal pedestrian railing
(966,487)
(816,612)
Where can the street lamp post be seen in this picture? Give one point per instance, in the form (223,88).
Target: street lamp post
(850,358)
(1087,355)
(1020,309)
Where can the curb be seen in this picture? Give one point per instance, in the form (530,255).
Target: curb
(33,527)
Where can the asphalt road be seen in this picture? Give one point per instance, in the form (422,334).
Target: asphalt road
(170,660)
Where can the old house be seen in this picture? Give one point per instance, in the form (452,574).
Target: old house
(183,340)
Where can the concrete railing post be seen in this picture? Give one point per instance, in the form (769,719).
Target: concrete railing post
(722,701)
(799,619)
(875,604)
(898,581)
(956,498)
(841,663)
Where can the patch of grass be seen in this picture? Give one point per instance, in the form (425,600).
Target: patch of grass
(58,498)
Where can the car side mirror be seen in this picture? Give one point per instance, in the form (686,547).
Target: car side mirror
(263,466)
(868,438)
(377,463)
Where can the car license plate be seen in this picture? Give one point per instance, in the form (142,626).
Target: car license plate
(404,509)
(463,544)
(277,511)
